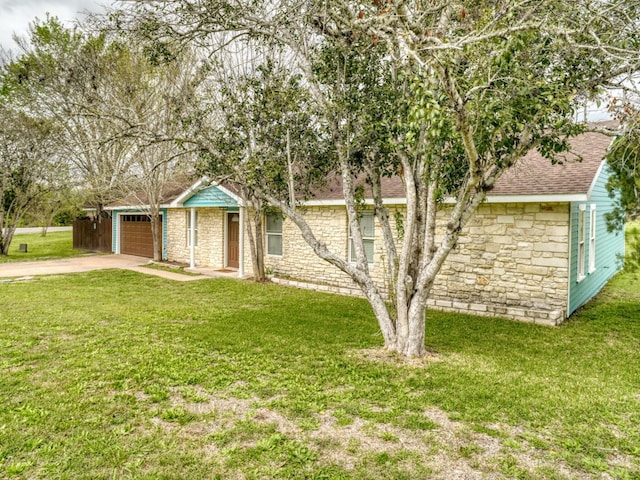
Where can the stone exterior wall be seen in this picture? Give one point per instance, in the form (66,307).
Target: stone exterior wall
(511,261)
(210,248)
(248,265)
(298,260)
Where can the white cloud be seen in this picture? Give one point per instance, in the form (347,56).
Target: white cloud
(15,17)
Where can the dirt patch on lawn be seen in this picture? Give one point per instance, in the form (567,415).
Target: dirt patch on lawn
(385,356)
(449,450)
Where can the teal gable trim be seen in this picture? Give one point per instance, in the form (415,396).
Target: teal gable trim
(210,197)
(609,246)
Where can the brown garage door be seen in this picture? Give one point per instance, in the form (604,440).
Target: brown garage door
(135,235)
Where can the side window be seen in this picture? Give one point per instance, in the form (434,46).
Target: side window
(367,228)
(592,239)
(582,218)
(274,234)
(195,232)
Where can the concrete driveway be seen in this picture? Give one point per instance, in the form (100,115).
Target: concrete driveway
(88,263)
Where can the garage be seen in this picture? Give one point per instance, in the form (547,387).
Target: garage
(135,235)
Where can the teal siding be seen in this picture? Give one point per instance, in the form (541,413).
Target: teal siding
(211,197)
(609,246)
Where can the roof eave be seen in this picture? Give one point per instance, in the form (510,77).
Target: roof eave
(543,198)
(595,178)
(188,193)
(134,208)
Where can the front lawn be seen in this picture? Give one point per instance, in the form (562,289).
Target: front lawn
(53,245)
(115,374)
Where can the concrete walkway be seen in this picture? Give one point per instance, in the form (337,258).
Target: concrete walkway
(87,263)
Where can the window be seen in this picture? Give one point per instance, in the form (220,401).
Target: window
(274,234)
(592,239)
(195,229)
(581,237)
(366,221)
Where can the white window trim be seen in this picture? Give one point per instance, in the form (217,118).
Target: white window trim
(364,239)
(592,239)
(188,228)
(582,220)
(268,234)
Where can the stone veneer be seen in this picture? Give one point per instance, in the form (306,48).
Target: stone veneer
(511,261)
(210,248)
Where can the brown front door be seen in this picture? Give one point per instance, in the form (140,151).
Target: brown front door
(135,235)
(233,240)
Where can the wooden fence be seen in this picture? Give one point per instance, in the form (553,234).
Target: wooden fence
(93,235)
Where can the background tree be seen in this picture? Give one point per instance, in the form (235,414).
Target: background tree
(115,104)
(624,161)
(65,75)
(147,107)
(29,168)
(56,208)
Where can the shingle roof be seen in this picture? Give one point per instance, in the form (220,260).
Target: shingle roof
(535,175)
(532,175)
(172,190)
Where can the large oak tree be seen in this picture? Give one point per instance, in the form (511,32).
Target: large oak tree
(445,95)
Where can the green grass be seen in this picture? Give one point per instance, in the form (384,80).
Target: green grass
(167,267)
(632,240)
(53,245)
(114,374)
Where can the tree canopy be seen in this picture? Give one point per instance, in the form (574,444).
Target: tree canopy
(29,168)
(444,95)
(113,104)
(624,161)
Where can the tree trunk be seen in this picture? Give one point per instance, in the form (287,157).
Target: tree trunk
(6,236)
(414,344)
(156,235)
(259,260)
(254,234)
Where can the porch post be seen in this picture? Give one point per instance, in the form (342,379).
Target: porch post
(192,234)
(241,246)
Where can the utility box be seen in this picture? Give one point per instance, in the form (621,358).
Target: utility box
(22,248)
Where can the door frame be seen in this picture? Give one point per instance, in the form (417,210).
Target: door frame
(226,238)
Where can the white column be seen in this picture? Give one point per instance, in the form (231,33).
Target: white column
(192,233)
(241,246)
(119,230)
(225,259)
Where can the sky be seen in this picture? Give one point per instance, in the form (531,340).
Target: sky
(15,15)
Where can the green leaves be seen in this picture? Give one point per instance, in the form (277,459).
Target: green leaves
(624,183)
(267,133)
